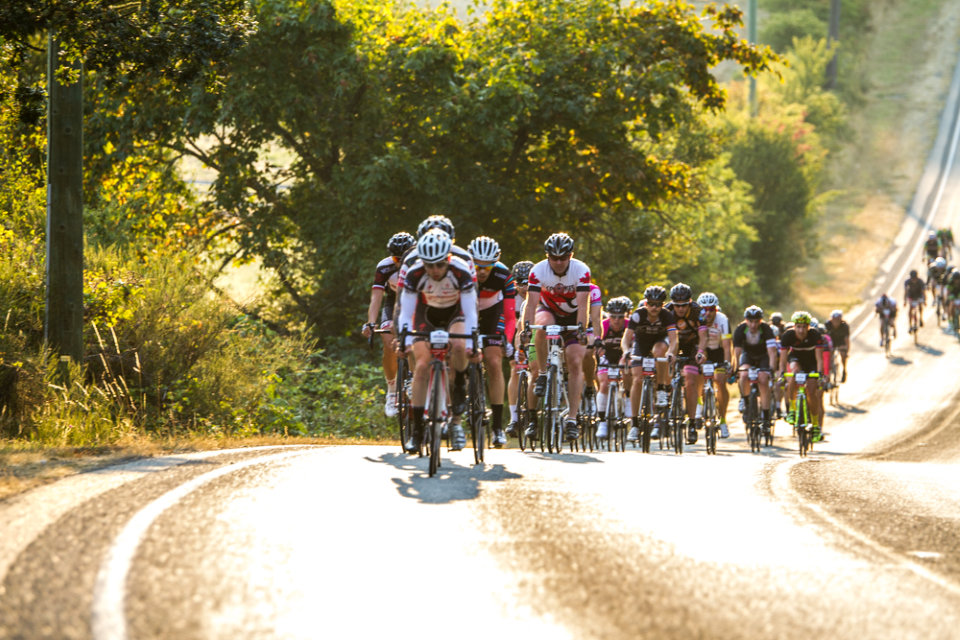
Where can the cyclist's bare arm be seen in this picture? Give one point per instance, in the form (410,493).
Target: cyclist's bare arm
(530,310)
(408,304)
(727,347)
(583,308)
(376,297)
(626,343)
(673,344)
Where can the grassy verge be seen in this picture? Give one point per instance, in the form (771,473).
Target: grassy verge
(25,465)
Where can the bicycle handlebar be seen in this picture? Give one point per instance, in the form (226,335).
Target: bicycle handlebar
(563,327)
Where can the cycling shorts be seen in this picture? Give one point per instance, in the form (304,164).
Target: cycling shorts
(804,365)
(604,363)
(716,357)
(386,317)
(758,362)
(644,349)
(490,323)
(915,301)
(568,337)
(427,318)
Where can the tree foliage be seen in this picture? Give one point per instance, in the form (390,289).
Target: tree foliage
(538,116)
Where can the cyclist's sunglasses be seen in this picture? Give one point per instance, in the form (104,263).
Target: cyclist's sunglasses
(484,267)
(616,316)
(709,308)
(654,305)
(562,258)
(681,304)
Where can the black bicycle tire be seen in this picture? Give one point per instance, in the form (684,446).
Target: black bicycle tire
(523,414)
(478,408)
(677,415)
(403,403)
(801,424)
(435,420)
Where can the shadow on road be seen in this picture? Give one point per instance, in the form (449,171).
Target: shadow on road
(573,458)
(929,350)
(452,483)
(899,361)
(840,410)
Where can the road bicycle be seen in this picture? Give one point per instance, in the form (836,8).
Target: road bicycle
(617,422)
(752,421)
(711,424)
(404,386)
(678,406)
(645,407)
(523,380)
(554,406)
(885,321)
(914,315)
(833,381)
(436,413)
(477,414)
(803,423)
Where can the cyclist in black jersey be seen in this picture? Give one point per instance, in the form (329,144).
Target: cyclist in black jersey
(609,352)
(914,297)
(932,246)
(385,290)
(521,275)
(755,345)
(839,332)
(801,350)
(651,333)
(692,343)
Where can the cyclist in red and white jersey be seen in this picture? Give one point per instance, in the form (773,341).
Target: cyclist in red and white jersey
(718,349)
(385,290)
(439,293)
(559,293)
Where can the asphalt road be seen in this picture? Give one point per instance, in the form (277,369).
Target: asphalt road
(860,540)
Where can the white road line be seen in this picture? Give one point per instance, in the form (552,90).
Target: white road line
(926,223)
(109,620)
(782,486)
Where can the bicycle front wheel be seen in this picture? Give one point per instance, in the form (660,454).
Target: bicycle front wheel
(802,423)
(523,414)
(478,411)
(435,419)
(677,419)
(404,412)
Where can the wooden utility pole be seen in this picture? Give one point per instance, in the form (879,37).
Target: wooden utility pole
(63,324)
(752,38)
(834,34)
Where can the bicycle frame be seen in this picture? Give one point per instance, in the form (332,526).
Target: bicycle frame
(552,410)
(803,420)
(644,409)
(711,428)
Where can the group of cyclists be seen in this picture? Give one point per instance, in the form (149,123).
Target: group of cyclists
(429,283)
(942,283)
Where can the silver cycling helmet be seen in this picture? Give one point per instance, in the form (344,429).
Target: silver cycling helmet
(437,222)
(433,246)
(559,244)
(484,249)
(708,299)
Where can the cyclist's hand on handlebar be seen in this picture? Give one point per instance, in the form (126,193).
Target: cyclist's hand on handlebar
(701,357)
(368,330)
(508,349)
(525,337)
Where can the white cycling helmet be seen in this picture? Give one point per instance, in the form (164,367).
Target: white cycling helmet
(940,263)
(836,313)
(433,246)
(484,249)
(708,299)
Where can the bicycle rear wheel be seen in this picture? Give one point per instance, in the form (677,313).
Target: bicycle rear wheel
(404,415)
(802,435)
(478,412)
(751,421)
(523,414)
(677,415)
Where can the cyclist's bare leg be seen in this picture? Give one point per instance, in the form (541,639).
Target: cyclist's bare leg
(589,368)
(813,397)
(421,374)
(723,395)
(763,381)
(513,385)
(604,381)
(663,368)
(575,355)
(791,384)
(389,358)
(543,318)
(692,393)
(493,367)
(458,349)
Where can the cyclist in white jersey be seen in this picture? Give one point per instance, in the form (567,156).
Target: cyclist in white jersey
(559,293)
(719,344)
(438,293)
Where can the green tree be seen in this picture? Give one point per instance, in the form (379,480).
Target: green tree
(539,116)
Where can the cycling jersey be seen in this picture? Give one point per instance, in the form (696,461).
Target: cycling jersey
(953,288)
(887,303)
(914,288)
(596,296)
(933,247)
(840,335)
(558,293)
(385,278)
(803,351)
(717,331)
(755,344)
(688,327)
(499,289)
(456,289)
(935,275)
(411,256)
(647,332)
(611,342)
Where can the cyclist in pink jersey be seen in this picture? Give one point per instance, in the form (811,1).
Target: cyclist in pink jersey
(559,293)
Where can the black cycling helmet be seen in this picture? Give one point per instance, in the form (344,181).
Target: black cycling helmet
(913,273)
(521,271)
(954,275)
(400,243)
(559,244)
(618,306)
(776,317)
(753,312)
(437,222)
(655,293)
(680,293)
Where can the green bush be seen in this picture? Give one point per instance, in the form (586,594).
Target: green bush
(780,29)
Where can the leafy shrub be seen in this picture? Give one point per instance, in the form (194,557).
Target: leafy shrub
(781,29)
